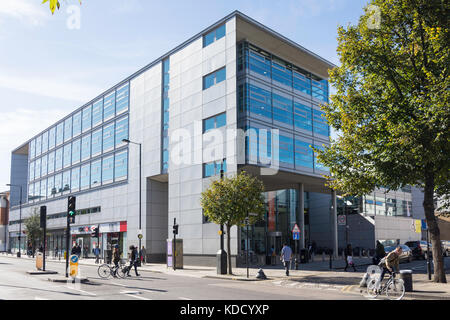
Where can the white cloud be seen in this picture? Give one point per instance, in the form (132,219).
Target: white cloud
(31,12)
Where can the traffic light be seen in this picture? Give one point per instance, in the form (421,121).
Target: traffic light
(175,229)
(71,210)
(43,216)
(95,233)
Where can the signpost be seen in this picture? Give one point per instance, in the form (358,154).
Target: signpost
(73,266)
(296,238)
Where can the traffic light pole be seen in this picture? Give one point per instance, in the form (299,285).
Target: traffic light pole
(67,246)
(174,246)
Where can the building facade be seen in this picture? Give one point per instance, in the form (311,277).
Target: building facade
(237,96)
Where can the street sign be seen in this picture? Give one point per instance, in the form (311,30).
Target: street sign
(424,224)
(73,271)
(39,261)
(296,229)
(342,220)
(296,236)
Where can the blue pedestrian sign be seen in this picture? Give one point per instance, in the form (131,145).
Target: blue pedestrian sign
(424,224)
(74,259)
(296,235)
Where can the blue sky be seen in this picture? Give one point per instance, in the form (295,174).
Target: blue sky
(48,69)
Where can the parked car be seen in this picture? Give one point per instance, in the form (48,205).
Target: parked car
(406,254)
(419,249)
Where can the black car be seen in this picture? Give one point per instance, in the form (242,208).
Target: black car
(419,249)
(406,254)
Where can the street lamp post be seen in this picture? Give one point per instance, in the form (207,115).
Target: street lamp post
(20,214)
(140,187)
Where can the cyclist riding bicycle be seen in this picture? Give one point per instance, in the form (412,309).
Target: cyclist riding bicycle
(390,263)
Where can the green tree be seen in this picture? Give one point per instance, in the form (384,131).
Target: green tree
(33,228)
(54,4)
(230,200)
(391,106)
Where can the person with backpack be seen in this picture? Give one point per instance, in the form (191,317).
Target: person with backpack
(133,260)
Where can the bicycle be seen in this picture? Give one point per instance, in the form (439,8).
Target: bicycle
(393,288)
(105,271)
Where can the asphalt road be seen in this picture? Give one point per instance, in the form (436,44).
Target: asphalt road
(16,284)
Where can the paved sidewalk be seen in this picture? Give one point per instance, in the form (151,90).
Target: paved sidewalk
(315,273)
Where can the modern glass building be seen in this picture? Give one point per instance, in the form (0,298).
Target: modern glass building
(236,96)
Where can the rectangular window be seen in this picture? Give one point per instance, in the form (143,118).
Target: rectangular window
(45,142)
(37,169)
(44,166)
(214,78)
(213,168)
(58,183)
(86,147)
(58,159)
(96,173)
(32,149)
(303,154)
(260,102)
(75,179)
(68,129)
(320,123)
(259,63)
(282,109)
(37,191)
(59,133)
(31,174)
(122,99)
(107,169)
(302,116)
(214,35)
(86,118)
(85,176)
(302,82)
(76,124)
(67,155)
(121,131)
(51,162)
(108,137)
(286,150)
(109,107)
(51,187)
(38,146)
(96,142)
(317,164)
(66,181)
(97,113)
(31,192)
(121,166)
(281,72)
(76,151)
(319,89)
(43,194)
(215,122)
(51,138)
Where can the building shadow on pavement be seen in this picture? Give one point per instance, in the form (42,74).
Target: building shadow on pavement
(328,280)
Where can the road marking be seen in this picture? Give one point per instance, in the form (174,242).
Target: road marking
(137,297)
(90,293)
(183,298)
(39,298)
(134,294)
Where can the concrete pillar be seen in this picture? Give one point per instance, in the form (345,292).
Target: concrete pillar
(301,211)
(333,223)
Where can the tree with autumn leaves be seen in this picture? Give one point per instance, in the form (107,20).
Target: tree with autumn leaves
(229,201)
(54,4)
(391,106)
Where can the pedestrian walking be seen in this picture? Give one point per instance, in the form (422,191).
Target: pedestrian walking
(379,253)
(96,252)
(286,253)
(142,254)
(85,251)
(56,252)
(133,260)
(349,258)
(273,255)
(41,248)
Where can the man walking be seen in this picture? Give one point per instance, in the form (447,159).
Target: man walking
(97,253)
(133,260)
(286,254)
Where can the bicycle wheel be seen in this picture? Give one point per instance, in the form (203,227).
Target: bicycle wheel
(372,288)
(395,290)
(122,271)
(104,271)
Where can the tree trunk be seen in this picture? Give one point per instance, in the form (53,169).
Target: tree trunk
(229,248)
(428,205)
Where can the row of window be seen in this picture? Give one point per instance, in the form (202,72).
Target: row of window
(293,152)
(106,170)
(213,168)
(64,214)
(214,35)
(214,78)
(100,141)
(278,71)
(272,107)
(165,124)
(215,122)
(109,106)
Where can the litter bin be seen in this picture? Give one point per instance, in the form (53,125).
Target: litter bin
(304,257)
(406,276)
